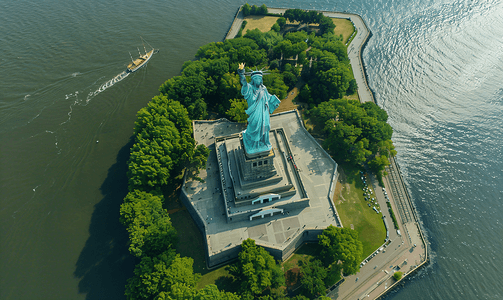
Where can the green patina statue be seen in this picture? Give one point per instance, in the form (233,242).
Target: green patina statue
(260,105)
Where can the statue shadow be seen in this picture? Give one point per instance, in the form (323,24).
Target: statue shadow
(104,265)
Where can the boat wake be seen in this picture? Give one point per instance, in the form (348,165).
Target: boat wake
(107,84)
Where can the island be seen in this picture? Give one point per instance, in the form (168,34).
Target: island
(303,202)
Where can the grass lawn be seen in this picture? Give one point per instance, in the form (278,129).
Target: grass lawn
(221,278)
(288,103)
(355,212)
(190,241)
(352,97)
(263,23)
(307,251)
(344,27)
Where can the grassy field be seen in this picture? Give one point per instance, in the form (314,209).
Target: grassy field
(355,212)
(344,27)
(288,103)
(190,243)
(264,24)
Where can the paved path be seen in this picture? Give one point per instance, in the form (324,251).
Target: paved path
(236,25)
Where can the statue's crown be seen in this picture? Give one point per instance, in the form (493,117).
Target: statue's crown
(256,73)
(252,73)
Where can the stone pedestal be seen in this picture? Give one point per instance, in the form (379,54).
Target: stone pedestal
(256,166)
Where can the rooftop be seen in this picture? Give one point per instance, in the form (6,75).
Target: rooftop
(316,170)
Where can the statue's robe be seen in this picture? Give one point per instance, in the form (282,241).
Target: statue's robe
(260,105)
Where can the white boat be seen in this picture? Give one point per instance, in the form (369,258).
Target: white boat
(141,61)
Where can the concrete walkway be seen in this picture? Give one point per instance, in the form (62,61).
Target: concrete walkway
(236,25)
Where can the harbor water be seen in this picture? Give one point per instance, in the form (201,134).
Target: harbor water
(67,117)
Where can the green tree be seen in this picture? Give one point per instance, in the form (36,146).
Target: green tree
(256,269)
(275,84)
(211,292)
(237,111)
(281,21)
(163,144)
(294,15)
(254,9)
(296,37)
(246,9)
(397,275)
(355,131)
(275,27)
(341,244)
(197,162)
(377,165)
(289,79)
(166,276)
(299,297)
(326,25)
(305,94)
(313,276)
(148,224)
(211,51)
(352,87)
(262,10)
(271,38)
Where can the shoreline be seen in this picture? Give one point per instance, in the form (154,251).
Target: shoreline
(396,185)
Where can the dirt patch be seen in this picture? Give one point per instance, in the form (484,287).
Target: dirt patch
(172,211)
(288,103)
(341,187)
(292,277)
(338,192)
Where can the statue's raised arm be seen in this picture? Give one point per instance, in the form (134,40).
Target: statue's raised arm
(260,105)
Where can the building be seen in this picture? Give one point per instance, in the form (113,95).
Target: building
(280,199)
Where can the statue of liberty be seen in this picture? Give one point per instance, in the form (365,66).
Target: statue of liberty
(260,105)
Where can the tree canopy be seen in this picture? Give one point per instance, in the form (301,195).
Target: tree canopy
(354,131)
(326,24)
(148,224)
(342,244)
(256,269)
(313,278)
(166,276)
(163,144)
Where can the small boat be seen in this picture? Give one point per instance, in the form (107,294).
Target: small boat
(141,61)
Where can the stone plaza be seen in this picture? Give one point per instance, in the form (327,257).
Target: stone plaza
(281,198)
